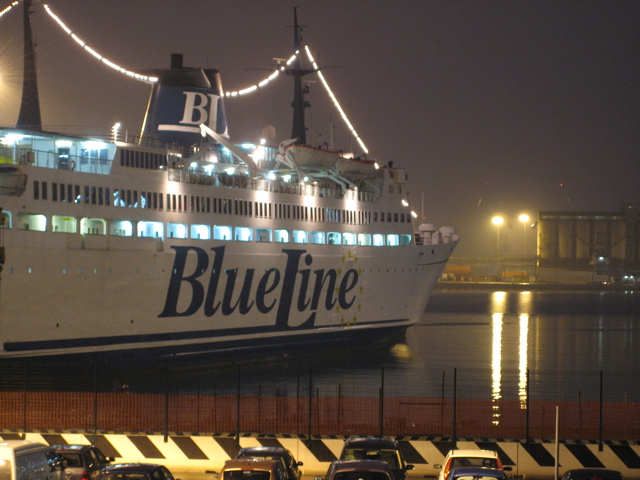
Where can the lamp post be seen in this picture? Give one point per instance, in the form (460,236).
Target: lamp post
(497,221)
(524,218)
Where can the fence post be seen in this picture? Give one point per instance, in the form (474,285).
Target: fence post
(382,403)
(339,426)
(24,399)
(600,445)
(528,404)
(238,405)
(310,401)
(442,406)
(455,408)
(94,437)
(166,406)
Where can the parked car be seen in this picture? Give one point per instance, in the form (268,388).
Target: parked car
(359,470)
(377,448)
(253,469)
(476,473)
(469,458)
(29,460)
(592,474)
(135,471)
(82,462)
(273,453)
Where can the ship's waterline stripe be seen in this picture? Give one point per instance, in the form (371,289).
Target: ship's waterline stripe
(247,333)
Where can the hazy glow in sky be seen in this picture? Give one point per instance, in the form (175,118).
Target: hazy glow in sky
(492,105)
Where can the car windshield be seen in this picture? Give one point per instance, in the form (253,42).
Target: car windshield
(387,456)
(477,477)
(124,476)
(73,459)
(473,462)
(246,475)
(360,475)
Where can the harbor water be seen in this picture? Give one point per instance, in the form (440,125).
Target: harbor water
(565,344)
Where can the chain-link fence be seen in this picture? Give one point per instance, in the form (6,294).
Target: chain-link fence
(469,403)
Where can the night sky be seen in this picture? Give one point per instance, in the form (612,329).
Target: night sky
(495,107)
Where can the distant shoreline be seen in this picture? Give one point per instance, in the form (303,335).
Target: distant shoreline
(596,287)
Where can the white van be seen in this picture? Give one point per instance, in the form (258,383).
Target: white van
(24,460)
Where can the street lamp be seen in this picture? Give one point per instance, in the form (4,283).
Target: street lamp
(524,218)
(497,221)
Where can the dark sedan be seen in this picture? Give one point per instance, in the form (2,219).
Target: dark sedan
(476,473)
(274,453)
(135,471)
(592,474)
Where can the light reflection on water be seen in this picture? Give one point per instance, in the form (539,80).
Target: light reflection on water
(491,339)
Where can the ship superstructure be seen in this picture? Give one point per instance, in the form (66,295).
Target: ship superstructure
(184,243)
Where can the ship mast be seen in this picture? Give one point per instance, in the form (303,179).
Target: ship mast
(29,116)
(299,130)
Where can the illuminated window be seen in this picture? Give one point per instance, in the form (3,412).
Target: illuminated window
(263,235)
(364,239)
(62,224)
(349,238)
(150,229)
(300,236)
(333,238)
(121,228)
(202,232)
(222,232)
(176,230)
(93,226)
(318,237)
(244,234)
(32,221)
(281,236)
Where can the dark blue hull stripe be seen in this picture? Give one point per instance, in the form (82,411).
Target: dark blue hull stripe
(115,341)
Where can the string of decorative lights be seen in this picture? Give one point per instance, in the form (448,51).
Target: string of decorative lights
(335,101)
(9,8)
(263,83)
(109,63)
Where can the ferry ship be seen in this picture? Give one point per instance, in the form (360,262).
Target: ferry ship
(180,245)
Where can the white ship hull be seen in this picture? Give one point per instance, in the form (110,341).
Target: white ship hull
(181,246)
(90,290)
(84,301)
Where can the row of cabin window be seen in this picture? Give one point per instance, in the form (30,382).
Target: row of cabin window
(126,228)
(190,203)
(138,159)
